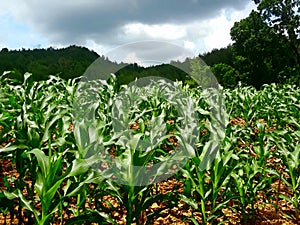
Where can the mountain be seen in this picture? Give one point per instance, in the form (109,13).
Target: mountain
(69,62)
(75,61)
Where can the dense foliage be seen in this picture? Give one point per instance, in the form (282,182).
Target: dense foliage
(70,62)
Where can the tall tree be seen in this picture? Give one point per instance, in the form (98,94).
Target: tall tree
(264,52)
(284,17)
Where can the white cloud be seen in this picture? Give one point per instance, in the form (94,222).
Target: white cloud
(219,32)
(189,45)
(100,49)
(197,36)
(161,31)
(131,58)
(219,27)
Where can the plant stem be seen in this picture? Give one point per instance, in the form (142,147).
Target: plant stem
(203,210)
(130,206)
(278,191)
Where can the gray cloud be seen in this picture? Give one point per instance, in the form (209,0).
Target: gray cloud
(151,51)
(66,22)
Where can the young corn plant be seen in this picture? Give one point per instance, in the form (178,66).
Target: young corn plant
(141,148)
(135,149)
(291,161)
(248,181)
(209,172)
(118,143)
(287,142)
(36,126)
(46,187)
(209,184)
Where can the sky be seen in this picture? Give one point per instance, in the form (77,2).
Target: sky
(102,25)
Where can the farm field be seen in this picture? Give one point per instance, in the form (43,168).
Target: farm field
(67,159)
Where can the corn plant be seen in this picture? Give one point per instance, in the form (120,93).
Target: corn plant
(135,149)
(65,136)
(46,186)
(249,181)
(292,162)
(290,153)
(209,184)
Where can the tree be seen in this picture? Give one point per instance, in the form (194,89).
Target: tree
(202,74)
(264,51)
(226,75)
(284,17)
(222,55)
(4,50)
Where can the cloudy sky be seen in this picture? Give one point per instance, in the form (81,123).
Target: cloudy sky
(101,25)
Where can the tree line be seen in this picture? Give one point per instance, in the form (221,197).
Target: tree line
(265,49)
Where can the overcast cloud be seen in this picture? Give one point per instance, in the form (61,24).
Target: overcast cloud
(198,25)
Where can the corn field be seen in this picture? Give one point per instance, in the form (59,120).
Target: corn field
(64,167)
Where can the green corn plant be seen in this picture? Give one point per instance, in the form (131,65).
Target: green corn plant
(208,173)
(79,178)
(292,163)
(48,183)
(208,184)
(139,149)
(135,148)
(262,150)
(91,129)
(240,103)
(88,147)
(7,109)
(35,124)
(196,185)
(220,174)
(46,186)
(37,115)
(287,142)
(249,179)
